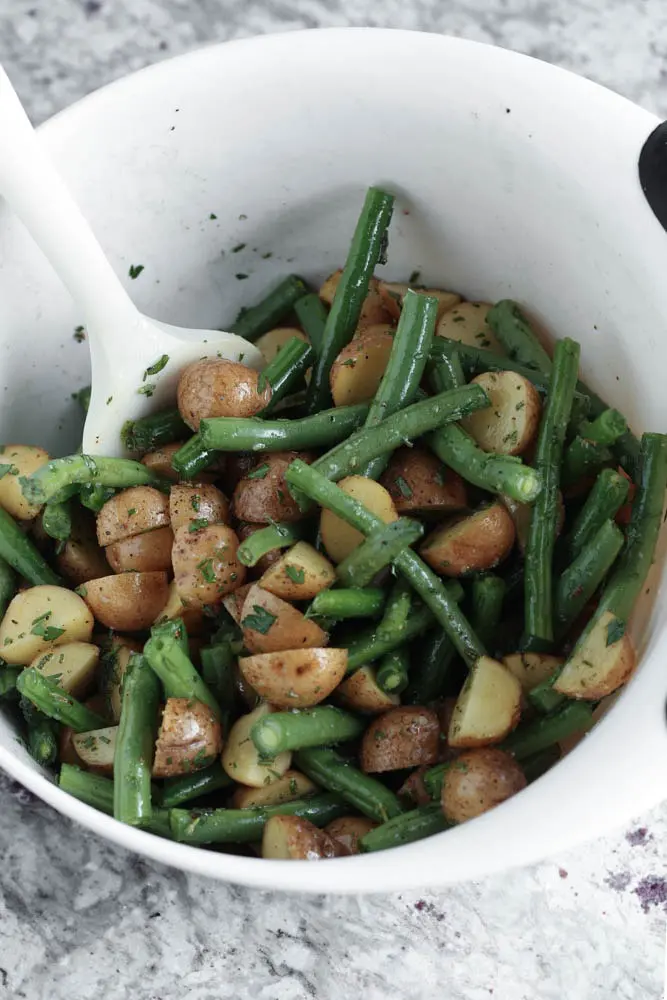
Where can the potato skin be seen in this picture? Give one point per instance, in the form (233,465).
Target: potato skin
(199,502)
(419,483)
(128,602)
(205,564)
(159,461)
(295,678)
(302,560)
(360,693)
(293,785)
(469,544)
(357,371)
(479,780)
(131,512)
(215,387)
(406,736)
(263,496)
(81,558)
(595,669)
(144,553)
(281,626)
(295,839)
(233,603)
(378,307)
(189,739)
(347,831)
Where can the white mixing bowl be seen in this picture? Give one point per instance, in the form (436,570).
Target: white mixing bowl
(513,179)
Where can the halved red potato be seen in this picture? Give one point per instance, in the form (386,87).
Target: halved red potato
(419,483)
(295,678)
(488,706)
(270,624)
(509,425)
(472,543)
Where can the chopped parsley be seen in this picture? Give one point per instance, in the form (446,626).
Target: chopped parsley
(79,334)
(132,511)
(195,502)
(259,473)
(213,216)
(260,620)
(198,523)
(349,363)
(205,567)
(8,470)
(238,248)
(414,277)
(146,390)
(404,487)
(47,632)
(157,367)
(240,277)
(135,270)
(520,405)
(295,573)
(615,631)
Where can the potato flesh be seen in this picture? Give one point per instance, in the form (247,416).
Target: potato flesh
(233,603)
(19,460)
(40,618)
(470,544)
(73,666)
(240,757)
(479,780)
(190,738)
(270,624)
(131,512)
(115,661)
(357,371)
(96,748)
(377,307)
(418,483)
(175,608)
(128,602)
(466,323)
(291,786)
(295,678)
(521,514)
(206,565)
(271,343)
(598,666)
(198,503)
(402,737)
(263,496)
(396,290)
(299,574)
(488,706)
(147,553)
(215,387)
(339,538)
(509,425)
(291,838)
(361,693)
(531,669)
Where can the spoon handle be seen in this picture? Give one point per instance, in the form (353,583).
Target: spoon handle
(37,194)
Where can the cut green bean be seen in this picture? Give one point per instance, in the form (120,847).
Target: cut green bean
(57,520)
(447,372)
(177,673)
(43,740)
(488,594)
(20,554)
(422,822)
(192,458)
(173,628)
(8,679)
(97,791)
(243,826)
(274,536)
(366,251)
(312,315)
(372,643)
(515,334)
(609,493)
(133,755)
(495,473)
(326,768)
(575,717)
(185,787)
(7,582)
(396,617)
(429,674)
(405,367)
(256,434)
(392,673)
(538,603)
(577,584)
(285,374)
(606,429)
(582,459)
(217,670)
(539,763)
(544,698)
(94,496)
(44,693)
(149,433)
(119,473)
(272,309)
(377,551)
(306,727)
(348,603)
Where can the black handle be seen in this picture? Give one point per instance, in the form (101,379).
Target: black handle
(653,172)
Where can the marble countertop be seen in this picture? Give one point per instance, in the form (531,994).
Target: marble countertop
(80,919)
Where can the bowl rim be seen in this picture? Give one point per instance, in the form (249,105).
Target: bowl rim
(416,865)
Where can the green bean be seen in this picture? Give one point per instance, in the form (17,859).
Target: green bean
(312,315)
(57,520)
(405,367)
(576,586)
(626,448)
(8,679)
(7,583)
(392,673)
(606,429)
(609,493)
(274,307)
(42,485)
(274,536)
(348,603)
(94,496)
(217,670)
(43,740)
(577,716)
(421,822)
(326,768)
(397,610)
(447,372)
(185,787)
(255,434)
(45,694)
(177,673)
(20,554)
(285,374)
(434,777)
(495,473)
(367,249)
(539,763)
(515,334)
(429,587)
(173,628)
(544,698)
(306,727)
(429,675)
(149,433)
(371,644)
(98,792)
(582,459)
(133,755)
(243,826)
(488,594)
(542,530)
(377,551)
(192,458)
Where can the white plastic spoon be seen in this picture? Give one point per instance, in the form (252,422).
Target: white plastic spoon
(124,343)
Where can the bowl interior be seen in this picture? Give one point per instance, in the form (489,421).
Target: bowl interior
(222,171)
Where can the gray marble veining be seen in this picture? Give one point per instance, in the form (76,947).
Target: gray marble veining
(80,919)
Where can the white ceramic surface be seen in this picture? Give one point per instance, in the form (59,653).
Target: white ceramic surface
(513,178)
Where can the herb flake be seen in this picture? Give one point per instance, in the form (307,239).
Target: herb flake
(260,620)
(157,367)
(295,573)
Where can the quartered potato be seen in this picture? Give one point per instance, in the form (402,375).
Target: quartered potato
(240,757)
(338,538)
(190,738)
(469,544)
(293,785)
(396,290)
(131,512)
(197,504)
(159,461)
(144,553)
(72,665)
(215,387)
(81,558)
(271,344)
(414,790)
(360,693)
(18,460)
(418,483)
(205,564)
(40,618)
(191,617)
(96,748)
(466,322)
(531,669)
(115,659)
(291,838)
(602,660)
(299,574)
(233,603)
(357,371)
(488,707)
(403,737)
(270,624)
(509,425)
(347,831)
(378,307)
(295,678)
(262,496)
(479,780)
(128,602)
(521,514)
